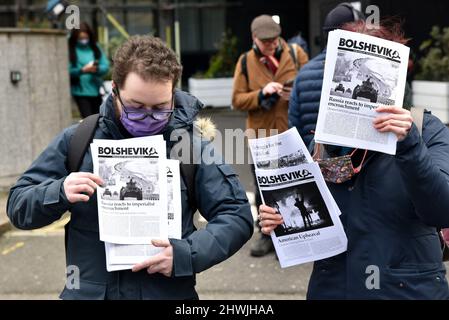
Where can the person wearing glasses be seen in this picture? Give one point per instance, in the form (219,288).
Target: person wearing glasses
(144,102)
(262,86)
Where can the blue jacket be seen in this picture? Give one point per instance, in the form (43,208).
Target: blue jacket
(390,212)
(38,199)
(305,98)
(89,83)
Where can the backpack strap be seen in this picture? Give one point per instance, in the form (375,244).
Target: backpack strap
(293,53)
(245,66)
(80,141)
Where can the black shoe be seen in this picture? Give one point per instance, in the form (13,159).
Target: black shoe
(262,246)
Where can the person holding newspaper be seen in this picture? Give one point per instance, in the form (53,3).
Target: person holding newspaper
(262,85)
(144,103)
(391,209)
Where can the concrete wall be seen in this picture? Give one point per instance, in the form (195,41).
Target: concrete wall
(33,111)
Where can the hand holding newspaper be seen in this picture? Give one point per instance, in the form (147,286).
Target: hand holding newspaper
(141,200)
(292,183)
(361,73)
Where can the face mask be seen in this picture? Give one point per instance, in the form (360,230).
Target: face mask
(83,42)
(143,128)
(337,169)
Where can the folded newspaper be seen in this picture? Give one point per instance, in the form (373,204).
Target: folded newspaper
(292,183)
(140,200)
(125,256)
(361,73)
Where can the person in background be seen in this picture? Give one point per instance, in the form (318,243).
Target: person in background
(87,65)
(262,85)
(306,93)
(300,41)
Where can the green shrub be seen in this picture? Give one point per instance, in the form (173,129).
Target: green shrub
(434,65)
(113,44)
(222,64)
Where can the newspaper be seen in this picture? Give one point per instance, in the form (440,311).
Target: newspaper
(282,150)
(292,183)
(276,152)
(312,229)
(125,256)
(135,192)
(361,73)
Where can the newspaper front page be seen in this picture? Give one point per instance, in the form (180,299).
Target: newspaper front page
(292,183)
(361,73)
(312,229)
(131,203)
(282,150)
(125,256)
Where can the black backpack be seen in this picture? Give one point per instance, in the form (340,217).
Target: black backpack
(84,135)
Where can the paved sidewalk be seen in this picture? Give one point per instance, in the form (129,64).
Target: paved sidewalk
(4,221)
(5,184)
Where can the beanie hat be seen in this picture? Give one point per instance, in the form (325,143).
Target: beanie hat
(340,15)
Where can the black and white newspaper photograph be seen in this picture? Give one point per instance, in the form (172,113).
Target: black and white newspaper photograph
(302,207)
(361,73)
(276,151)
(125,256)
(135,194)
(312,229)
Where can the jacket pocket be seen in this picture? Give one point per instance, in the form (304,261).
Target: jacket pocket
(87,290)
(233,181)
(415,281)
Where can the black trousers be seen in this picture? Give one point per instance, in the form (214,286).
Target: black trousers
(88,105)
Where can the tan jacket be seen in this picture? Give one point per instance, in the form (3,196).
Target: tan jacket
(245,93)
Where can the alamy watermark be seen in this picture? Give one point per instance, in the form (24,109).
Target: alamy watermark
(72,21)
(372,17)
(372,282)
(230,148)
(72,277)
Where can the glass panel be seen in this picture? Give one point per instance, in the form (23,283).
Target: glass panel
(213,26)
(189,30)
(140,23)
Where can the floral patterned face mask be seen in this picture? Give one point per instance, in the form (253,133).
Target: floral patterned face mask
(337,169)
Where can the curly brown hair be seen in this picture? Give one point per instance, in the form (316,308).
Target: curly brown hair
(147,56)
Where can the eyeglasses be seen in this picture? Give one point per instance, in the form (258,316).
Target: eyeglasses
(137,115)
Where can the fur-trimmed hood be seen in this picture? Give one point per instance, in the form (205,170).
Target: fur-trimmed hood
(206,128)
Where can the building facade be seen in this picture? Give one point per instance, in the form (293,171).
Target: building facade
(202,22)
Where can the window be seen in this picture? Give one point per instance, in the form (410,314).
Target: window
(201,28)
